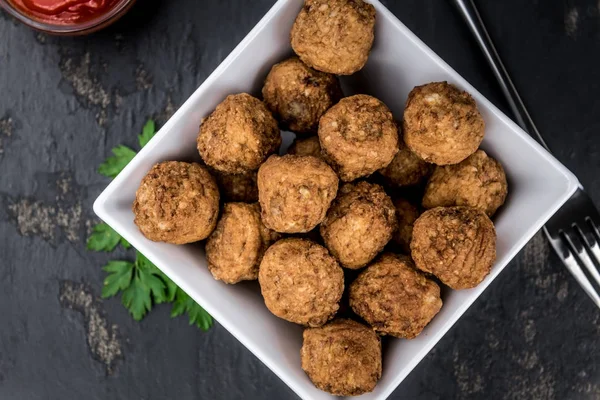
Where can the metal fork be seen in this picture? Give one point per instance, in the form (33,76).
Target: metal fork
(573,230)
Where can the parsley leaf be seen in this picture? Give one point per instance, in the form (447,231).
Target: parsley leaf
(125,244)
(115,164)
(118,278)
(156,286)
(148,133)
(136,298)
(142,261)
(149,275)
(170,286)
(122,155)
(197,315)
(103,238)
(144,285)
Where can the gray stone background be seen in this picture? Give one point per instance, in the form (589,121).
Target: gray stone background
(65,102)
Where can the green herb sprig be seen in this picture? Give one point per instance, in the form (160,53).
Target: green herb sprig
(140,283)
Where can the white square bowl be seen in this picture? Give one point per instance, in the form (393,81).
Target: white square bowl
(538,186)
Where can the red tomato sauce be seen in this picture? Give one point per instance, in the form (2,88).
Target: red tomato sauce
(64,12)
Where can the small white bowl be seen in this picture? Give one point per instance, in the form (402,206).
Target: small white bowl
(538,186)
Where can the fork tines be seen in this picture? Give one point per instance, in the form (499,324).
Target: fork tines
(574,235)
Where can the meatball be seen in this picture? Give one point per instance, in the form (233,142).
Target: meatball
(479,181)
(406,215)
(359,224)
(236,246)
(342,357)
(406,168)
(306,147)
(358,136)
(298,96)
(334,36)
(394,298)
(238,187)
(239,135)
(177,203)
(442,124)
(301,282)
(295,192)
(456,244)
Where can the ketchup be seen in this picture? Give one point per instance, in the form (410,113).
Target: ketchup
(64,12)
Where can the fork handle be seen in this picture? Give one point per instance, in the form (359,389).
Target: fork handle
(471,16)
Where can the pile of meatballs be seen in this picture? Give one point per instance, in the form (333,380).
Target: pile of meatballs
(353,231)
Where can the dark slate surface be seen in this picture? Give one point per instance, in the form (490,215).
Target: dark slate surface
(65,102)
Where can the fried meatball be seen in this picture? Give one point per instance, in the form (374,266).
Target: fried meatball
(237,187)
(359,224)
(295,192)
(479,181)
(298,96)
(301,282)
(239,135)
(442,124)
(306,147)
(394,298)
(177,203)
(406,168)
(334,36)
(406,215)
(342,357)
(236,246)
(456,244)
(358,136)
